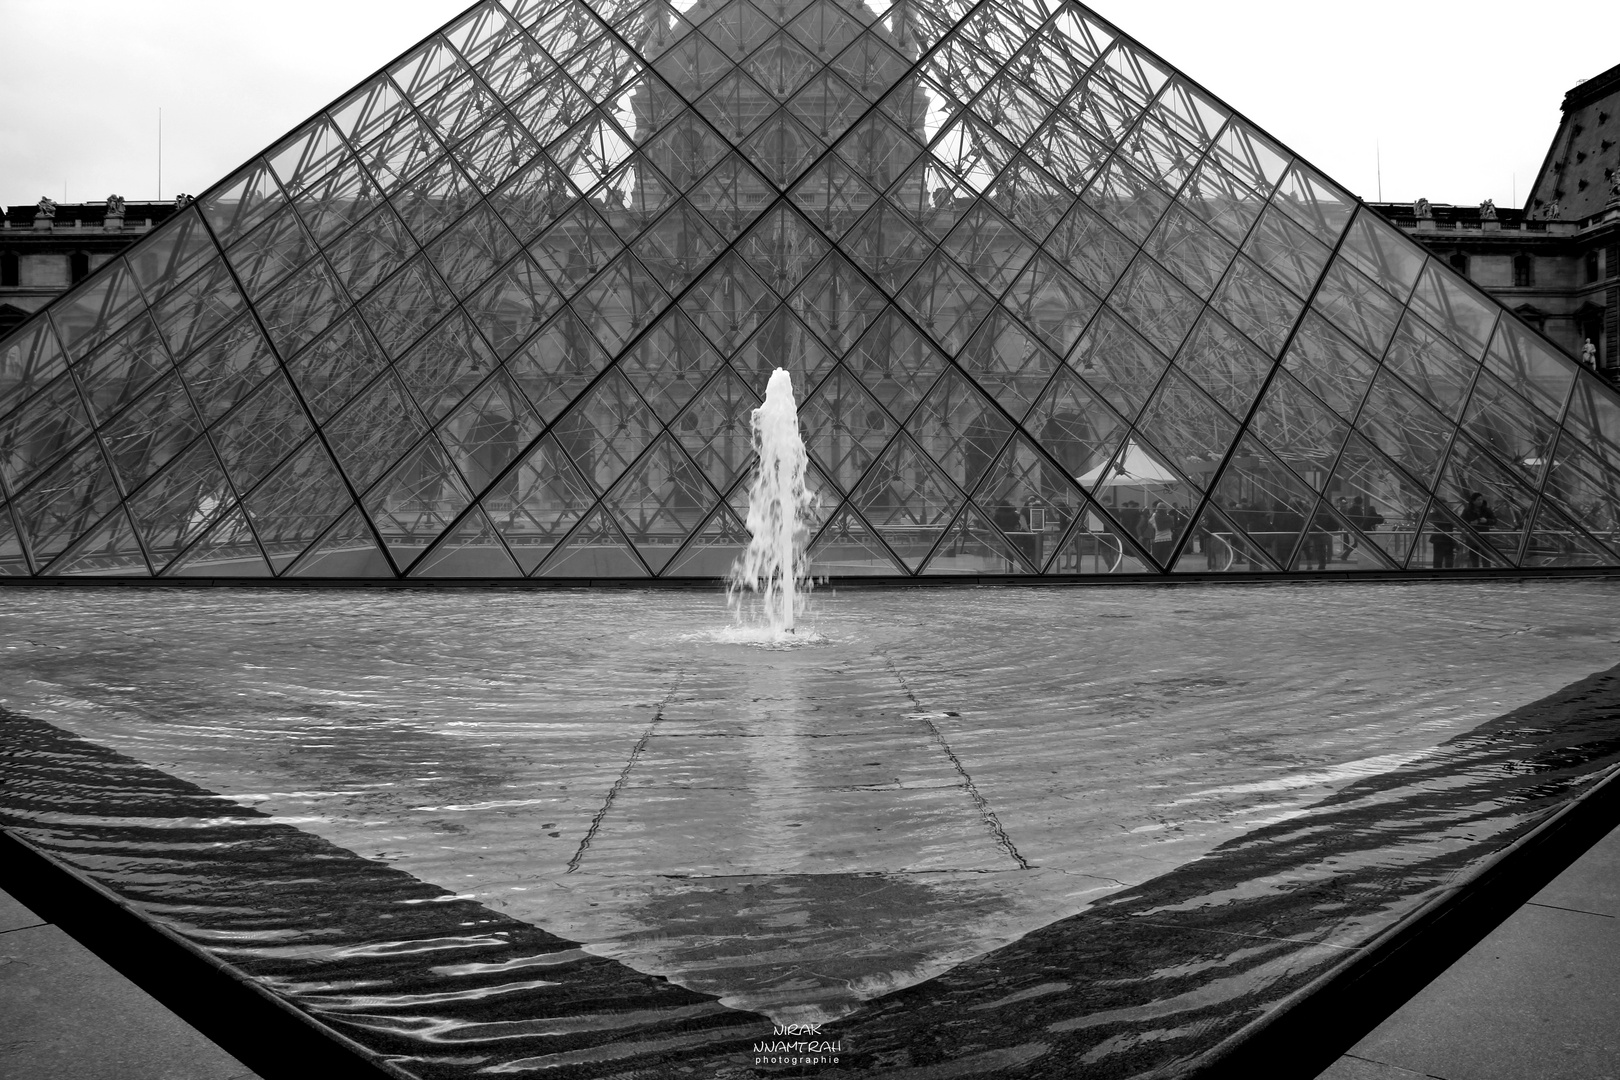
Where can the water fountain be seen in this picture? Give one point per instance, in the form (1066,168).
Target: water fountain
(774,565)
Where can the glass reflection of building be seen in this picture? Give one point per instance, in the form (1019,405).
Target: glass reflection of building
(1050,308)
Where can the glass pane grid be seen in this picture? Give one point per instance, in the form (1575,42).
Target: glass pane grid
(1015,266)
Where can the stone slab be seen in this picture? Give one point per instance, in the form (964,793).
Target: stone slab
(14,916)
(66,1013)
(1536,998)
(1592,883)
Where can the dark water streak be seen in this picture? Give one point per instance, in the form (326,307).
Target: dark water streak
(1145,983)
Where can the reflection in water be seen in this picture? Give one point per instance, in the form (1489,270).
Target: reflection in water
(797,831)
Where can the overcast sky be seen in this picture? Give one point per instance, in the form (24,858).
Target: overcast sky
(1459,97)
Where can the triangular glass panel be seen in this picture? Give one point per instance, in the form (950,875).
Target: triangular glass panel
(370,251)
(848,547)
(403,307)
(1224,364)
(296,503)
(1042,495)
(533,198)
(1051,303)
(513,304)
(782,341)
(1006,359)
(783,247)
(1188,427)
(737,28)
(539,501)
(844,428)
(678,246)
(1531,366)
(1131,203)
(487,433)
(1297,428)
(172,252)
(826,106)
(1190,250)
(1412,433)
(661,501)
(1555,540)
(193,312)
(620,302)
(692,65)
(471,550)
(374,430)
(878,150)
(1443,542)
(1383,254)
(1330,543)
(975,543)
(887,245)
(1510,427)
(1220,546)
(254,438)
(576,248)
(669,364)
(64,503)
(1158,305)
(908,499)
(735,105)
(1454,309)
(1074,425)
(269,253)
(467,254)
(1224,202)
(781,147)
(606,430)
(1487,497)
(1265,500)
(32,359)
(1257,305)
(1329,364)
(146,436)
(1315,203)
(896,363)
(349,550)
(1357,306)
(1088,247)
(591,151)
(716,429)
(988,247)
(417,501)
(1068,150)
(227,369)
(228,550)
(597,549)
(328,373)
(1440,372)
(782,66)
(714,549)
(243,201)
(180,503)
(960,429)
(1286,251)
(1379,500)
(110,550)
(870,65)
(653,28)
(36,435)
(557,364)
(1116,361)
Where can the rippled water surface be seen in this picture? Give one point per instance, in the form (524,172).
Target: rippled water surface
(931,776)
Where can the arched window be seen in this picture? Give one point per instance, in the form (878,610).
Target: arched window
(78,266)
(1459,263)
(8,269)
(1522,272)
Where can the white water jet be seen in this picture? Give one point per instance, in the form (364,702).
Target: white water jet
(775,565)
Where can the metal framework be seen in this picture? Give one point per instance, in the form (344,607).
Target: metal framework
(1050,308)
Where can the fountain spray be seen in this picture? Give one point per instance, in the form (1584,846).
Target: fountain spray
(775,564)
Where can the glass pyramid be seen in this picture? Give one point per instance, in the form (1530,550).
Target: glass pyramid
(1050,309)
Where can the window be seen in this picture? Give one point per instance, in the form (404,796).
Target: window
(1591,266)
(78,266)
(1459,263)
(8,269)
(1523,274)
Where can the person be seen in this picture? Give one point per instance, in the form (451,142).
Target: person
(1445,545)
(1008,520)
(1163,523)
(1208,540)
(1319,542)
(1477,514)
(1130,519)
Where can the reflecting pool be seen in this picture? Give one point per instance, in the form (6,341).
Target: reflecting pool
(903,816)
